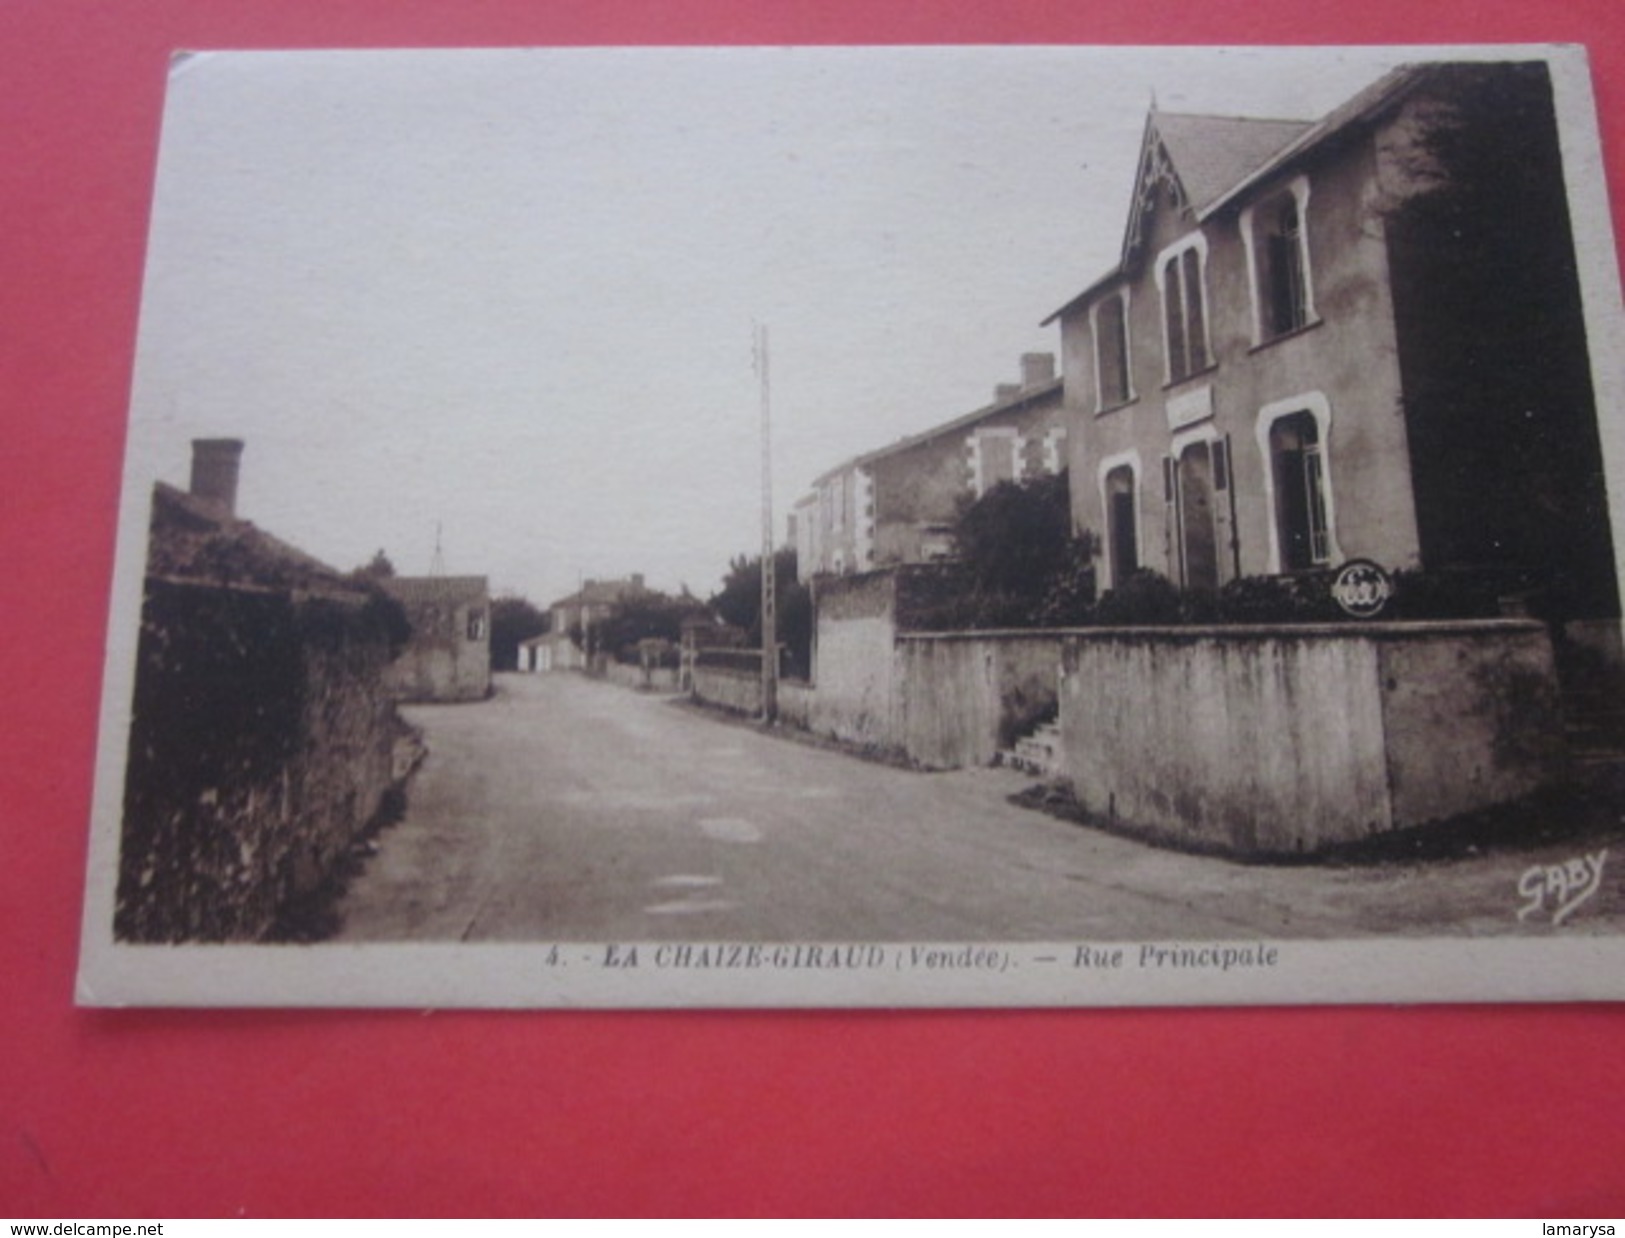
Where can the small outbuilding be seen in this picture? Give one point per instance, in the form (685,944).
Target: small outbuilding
(449,656)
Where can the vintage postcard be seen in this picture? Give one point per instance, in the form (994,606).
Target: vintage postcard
(1190,479)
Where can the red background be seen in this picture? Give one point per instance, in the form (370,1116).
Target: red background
(1322,1111)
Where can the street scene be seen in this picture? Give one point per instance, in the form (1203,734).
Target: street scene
(644,515)
(641,820)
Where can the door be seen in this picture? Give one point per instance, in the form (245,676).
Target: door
(1198,539)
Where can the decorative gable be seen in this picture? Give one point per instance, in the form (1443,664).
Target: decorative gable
(1190,162)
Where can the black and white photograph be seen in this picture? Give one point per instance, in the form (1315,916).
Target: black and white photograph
(869,526)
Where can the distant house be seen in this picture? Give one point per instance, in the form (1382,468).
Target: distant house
(1352,337)
(263,736)
(531,652)
(899,504)
(449,656)
(568,642)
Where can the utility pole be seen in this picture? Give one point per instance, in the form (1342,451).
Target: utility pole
(770,624)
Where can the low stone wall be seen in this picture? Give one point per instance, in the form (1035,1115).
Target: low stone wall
(967,695)
(261,745)
(631,675)
(1289,739)
(855,660)
(740,691)
(796,697)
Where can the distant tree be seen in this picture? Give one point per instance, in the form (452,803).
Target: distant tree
(739,602)
(378,567)
(513,619)
(1017,537)
(645,615)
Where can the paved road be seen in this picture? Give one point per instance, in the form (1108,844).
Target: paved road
(565,809)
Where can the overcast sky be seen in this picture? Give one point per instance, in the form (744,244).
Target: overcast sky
(511,293)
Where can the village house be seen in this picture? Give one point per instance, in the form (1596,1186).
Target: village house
(449,657)
(899,504)
(264,740)
(1357,337)
(568,642)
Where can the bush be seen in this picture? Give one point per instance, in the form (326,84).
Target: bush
(1304,598)
(1146,597)
(1069,598)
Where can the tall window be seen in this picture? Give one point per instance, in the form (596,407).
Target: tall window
(995,457)
(1184,313)
(1300,492)
(1284,306)
(1111,352)
(1122,524)
(1283,294)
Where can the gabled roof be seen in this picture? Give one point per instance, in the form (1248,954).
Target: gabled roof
(198,540)
(1210,154)
(1383,94)
(435,590)
(1022,398)
(600,593)
(1217,159)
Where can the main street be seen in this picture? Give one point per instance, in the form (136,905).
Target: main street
(565,809)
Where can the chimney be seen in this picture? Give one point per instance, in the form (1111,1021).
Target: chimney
(214,471)
(637,582)
(1037,368)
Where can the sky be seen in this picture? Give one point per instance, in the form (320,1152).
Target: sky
(506,298)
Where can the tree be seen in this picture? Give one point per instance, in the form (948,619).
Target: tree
(1017,536)
(378,567)
(644,615)
(513,619)
(739,602)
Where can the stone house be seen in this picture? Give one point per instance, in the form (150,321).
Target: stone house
(1355,337)
(899,504)
(580,612)
(264,740)
(449,656)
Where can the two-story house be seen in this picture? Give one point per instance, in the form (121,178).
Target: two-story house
(899,504)
(1357,337)
(569,639)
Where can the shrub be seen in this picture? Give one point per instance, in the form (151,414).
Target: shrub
(1302,598)
(1146,597)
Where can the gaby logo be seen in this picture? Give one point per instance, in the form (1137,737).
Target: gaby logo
(1362,588)
(1560,888)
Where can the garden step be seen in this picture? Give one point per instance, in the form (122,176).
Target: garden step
(1038,753)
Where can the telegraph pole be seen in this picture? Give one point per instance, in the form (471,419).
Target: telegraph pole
(770,625)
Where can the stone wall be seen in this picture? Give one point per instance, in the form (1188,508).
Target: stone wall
(631,675)
(261,746)
(967,695)
(1289,739)
(854,659)
(729,687)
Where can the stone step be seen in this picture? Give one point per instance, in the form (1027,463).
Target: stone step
(1038,753)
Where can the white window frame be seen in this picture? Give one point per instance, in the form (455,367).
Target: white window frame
(1315,404)
(977,478)
(1125,296)
(1298,187)
(1198,242)
(1054,449)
